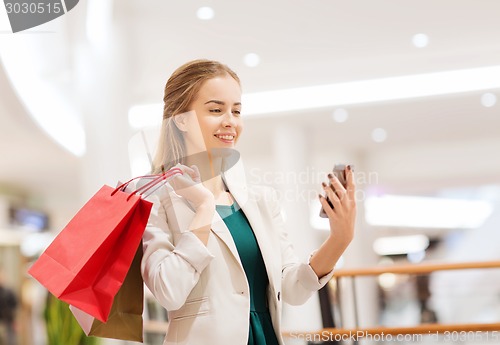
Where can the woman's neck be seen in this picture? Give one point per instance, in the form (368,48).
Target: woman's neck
(210,171)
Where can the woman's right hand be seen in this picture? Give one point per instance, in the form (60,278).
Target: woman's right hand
(189,186)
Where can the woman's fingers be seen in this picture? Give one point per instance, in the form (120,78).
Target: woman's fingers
(184,179)
(184,168)
(192,171)
(196,176)
(351,185)
(343,213)
(330,194)
(337,193)
(326,206)
(175,174)
(337,187)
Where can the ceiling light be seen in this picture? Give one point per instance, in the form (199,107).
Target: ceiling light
(426,212)
(146,115)
(374,90)
(400,244)
(251,59)
(488,99)
(379,135)
(420,40)
(340,115)
(369,91)
(205,13)
(387,280)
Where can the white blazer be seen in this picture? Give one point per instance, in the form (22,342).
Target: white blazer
(204,288)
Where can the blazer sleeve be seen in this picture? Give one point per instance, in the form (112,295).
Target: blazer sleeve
(170,271)
(298,279)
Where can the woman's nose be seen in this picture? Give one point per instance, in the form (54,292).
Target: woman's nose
(229,119)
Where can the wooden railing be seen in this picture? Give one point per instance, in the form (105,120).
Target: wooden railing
(414,268)
(428,328)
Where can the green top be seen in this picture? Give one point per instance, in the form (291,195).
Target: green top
(261,327)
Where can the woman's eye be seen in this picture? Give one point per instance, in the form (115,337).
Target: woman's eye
(237,112)
(215,110)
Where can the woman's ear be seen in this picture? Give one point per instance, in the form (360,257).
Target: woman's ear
(180,121)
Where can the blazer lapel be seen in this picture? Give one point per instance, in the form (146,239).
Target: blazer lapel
(236,183)
(220,229)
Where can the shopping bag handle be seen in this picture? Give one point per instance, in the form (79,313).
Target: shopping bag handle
(161,177)
(156,179)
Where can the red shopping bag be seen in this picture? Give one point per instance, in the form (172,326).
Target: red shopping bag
(125,319)
(87,262)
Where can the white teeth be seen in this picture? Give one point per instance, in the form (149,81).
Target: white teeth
(225,137)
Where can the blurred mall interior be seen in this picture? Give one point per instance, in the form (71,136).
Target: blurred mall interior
(407,92)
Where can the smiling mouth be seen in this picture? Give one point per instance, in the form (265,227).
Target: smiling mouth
(225,138)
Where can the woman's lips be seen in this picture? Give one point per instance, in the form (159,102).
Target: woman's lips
(225,138)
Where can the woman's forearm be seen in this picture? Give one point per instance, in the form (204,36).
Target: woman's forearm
(325,258)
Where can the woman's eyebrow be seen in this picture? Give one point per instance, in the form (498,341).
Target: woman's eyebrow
(220,102)
(215,101)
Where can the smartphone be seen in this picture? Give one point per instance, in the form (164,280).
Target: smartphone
(339,172)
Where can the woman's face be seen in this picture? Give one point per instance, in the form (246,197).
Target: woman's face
(215,121)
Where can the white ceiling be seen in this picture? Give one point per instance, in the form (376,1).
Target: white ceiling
(300,43)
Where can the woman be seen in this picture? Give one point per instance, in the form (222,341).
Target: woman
(216,253)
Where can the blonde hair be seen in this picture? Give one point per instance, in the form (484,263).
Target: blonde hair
(180,91)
